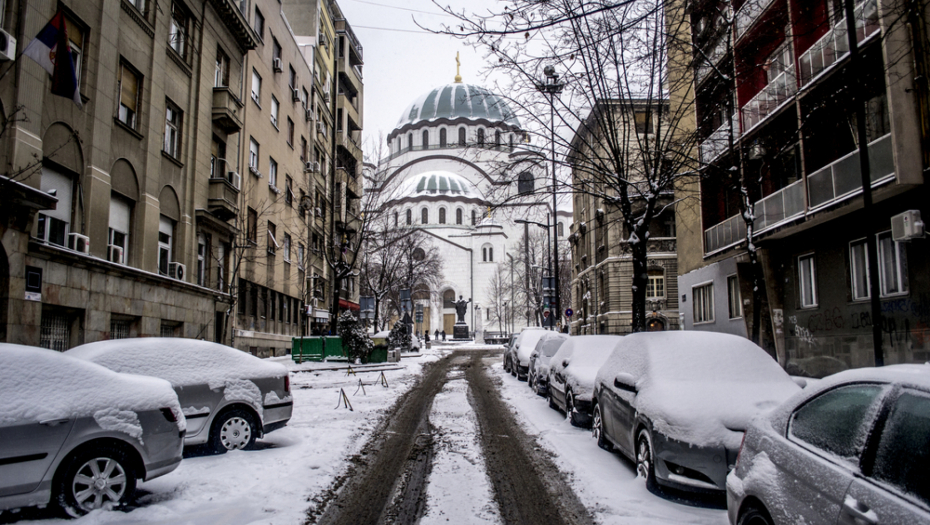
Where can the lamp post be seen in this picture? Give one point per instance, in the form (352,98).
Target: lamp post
(553,87)
(511,292)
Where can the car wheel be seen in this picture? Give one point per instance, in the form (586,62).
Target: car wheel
(645,466)
(597,429)
(570,409)
(754,516)
(233,430)
(506,365)
(101,477)
(552,404)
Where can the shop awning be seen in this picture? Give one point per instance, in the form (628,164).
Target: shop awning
(348,305)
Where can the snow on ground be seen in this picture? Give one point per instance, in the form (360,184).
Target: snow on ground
(604,481)
(459,490)
(274,483)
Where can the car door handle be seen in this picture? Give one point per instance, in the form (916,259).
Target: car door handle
(861,513)
(53,422)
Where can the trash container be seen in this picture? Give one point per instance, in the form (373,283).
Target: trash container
(307,349)
(333,346)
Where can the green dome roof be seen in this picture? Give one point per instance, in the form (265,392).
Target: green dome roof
(438,183)
(454,101)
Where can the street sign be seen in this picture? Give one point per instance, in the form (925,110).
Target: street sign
(568,312)
(546,314)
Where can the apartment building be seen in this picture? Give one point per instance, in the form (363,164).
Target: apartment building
(772,92)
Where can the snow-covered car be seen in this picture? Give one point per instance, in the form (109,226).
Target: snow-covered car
(572,371)
(77,435)
(230,398)
(677,403)
(853,448)
(521,350)
(548,345)
(508,347)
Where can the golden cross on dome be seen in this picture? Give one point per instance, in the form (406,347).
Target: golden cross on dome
(458,73)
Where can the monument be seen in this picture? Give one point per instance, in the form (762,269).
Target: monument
(460,329)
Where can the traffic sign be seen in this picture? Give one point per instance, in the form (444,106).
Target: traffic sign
(568,312)
(546,314)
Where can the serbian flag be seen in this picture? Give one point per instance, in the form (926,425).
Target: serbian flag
(51,50)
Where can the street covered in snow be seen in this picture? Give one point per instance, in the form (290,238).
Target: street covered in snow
(462,465)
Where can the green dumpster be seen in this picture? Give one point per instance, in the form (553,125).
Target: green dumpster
(379,354)
(307,349)
(333,347)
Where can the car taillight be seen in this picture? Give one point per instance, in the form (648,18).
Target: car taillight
(740,453)
(169,415)
(287,383)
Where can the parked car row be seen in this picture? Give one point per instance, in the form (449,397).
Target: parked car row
(79,428)
(714,413)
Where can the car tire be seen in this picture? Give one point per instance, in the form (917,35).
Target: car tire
(506,365)
(597,429)
(754,516)
(552,404)
(645,459)
(96,477)
(570,409)
(233,430)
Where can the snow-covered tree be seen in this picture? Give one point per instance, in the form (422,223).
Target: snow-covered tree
(399,336)
(355,341)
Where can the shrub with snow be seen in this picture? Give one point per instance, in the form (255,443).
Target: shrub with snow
(355,340)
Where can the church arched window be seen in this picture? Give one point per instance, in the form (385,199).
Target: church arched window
(487,253)
(409,217)
(458,216)
(497,139)
(425,138)
(474,218)
(442,138)
(560,231)
(448,299)
(424,216)
(480,137)
(462,136)
(525,183)
(442,215)
(409,140)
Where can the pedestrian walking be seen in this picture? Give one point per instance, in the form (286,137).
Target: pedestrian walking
(443,335)
(437,334)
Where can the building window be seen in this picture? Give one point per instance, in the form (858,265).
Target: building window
(217,158)
(221,252)
(275,106)
(272,238)
(458,216)
(511,141)
(304,97)
(119,328)
(272,173)
(655,286)
(130,90)
(275,51)
(177,30)
(303,149)
(409,140)
(290,132)
(54,225)
(409,217)
(859,269)
(76,34)
(462,137)
(291,78)
(442,138)
(118,233)
(487,253)
(287,247)
(165,243)
(807,281)
(256,87)
(253,153)
(301,253)
(252,226)
(703,303)
(643,121)
(892,265)
(560,230)
(734,300)
(221,78)
(424,216)
(480,137)
(259,24)
(201,259)
(474,217)
(442,215)
(525,183)
(288,190)
(425,139)
(172,129)
(55,331)
(140,5)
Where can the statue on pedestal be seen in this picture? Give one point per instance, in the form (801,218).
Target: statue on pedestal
(460,306)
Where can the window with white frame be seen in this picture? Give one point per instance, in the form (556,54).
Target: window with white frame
(892,265)
(703,303)
(165,243)
(54,225)
(287,247)
(173,117)
(76,37)
(256,87)
(807,281)
(734,300)
(118,234)
(300,255)
(221,77)
(253,153)
(130,90)
(655,286)
(272,238)
(177,29)
(272,173)
(275,106)
(201,259)
(859,270)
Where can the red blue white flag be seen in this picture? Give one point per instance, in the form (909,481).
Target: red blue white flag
(51,50)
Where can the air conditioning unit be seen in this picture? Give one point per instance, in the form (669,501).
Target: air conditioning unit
(327,97)
(115,253)
(295,94)
(79,243)
(177,270)
(318,212)
(277,65)
(7,46)
(322,40)
(234,178)
(316,166)
(321,128)
(309,115)
(254,171)
(907,226)
(308,166)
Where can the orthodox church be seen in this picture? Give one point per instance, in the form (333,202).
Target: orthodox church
(460,169)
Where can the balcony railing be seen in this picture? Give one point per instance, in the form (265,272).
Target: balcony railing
(727,233)
(767,101)
(718,142)
(748,14)
(835,44)
(843,178)
(708,60)
(783,205)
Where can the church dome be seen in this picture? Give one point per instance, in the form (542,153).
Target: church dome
(454,101)
(435,183)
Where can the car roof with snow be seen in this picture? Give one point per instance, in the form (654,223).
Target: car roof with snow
(180,361)
(38,384)
(550,343)
(528,339)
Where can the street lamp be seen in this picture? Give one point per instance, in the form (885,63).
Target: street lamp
(553,87)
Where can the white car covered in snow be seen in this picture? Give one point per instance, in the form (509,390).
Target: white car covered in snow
(677,403)
(77,435)
(519,362)
(572,371)
(851,449)
(230,398)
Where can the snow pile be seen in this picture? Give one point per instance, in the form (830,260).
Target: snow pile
(526,343)
(585,355)
(699,387)
(271,398)
(181,361)
(242,390)
(38,384)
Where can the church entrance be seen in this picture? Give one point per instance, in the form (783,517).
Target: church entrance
(448,312)
(448,321)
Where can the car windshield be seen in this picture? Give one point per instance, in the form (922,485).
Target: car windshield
(550,347)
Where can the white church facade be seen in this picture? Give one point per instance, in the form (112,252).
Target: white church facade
(460,171)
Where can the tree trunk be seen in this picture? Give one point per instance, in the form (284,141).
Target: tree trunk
(640,280)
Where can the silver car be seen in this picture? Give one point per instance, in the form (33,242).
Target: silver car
(77,435)
(851,449)
(230,398)
(538,378)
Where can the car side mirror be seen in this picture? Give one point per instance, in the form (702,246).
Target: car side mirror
(625,381)
(564,363)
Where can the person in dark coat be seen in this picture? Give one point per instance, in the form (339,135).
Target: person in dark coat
(426,335)
(443,335)
(437,334)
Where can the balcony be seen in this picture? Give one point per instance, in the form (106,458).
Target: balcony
(708,60)
(748,14)
(842,179)
(725,234)
(783,205)
(226,108)
(769,100)
(223,197)
(834,45)
(345,140)
(718,142)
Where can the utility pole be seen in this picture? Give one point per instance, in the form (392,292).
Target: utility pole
(553,87)
(526,271)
